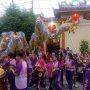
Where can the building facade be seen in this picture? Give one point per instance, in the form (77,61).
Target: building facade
(82,32)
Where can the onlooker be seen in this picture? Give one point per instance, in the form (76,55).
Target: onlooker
(20,72)
(50,65)
(70,70)
(11,76)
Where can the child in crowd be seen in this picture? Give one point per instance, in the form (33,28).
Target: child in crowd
(40,71)
(5,66)
(62,69)
(57,74)
(50,72)
(29,68)
(86,83)
(11,76)
(76,70)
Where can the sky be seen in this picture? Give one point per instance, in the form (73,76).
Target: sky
(40,6)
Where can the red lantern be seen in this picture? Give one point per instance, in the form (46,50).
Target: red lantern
(52,28)
(75,17)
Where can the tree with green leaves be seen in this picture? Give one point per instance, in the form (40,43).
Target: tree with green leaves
(84,47)
(18,20)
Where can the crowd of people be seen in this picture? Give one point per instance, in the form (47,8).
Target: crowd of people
(24,70)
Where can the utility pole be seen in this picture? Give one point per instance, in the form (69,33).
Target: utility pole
(12,2)
(32,4)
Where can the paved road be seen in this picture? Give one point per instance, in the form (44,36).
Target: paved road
(64,88)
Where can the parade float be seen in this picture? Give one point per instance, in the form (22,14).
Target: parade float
(55,32)
(12,42)
(49,33)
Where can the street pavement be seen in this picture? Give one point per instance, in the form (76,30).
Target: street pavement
(64,87)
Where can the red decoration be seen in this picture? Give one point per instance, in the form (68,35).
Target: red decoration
(75,17)
(52,28)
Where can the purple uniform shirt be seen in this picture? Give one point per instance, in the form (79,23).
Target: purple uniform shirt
(21,75)
(86,85)
(18,68)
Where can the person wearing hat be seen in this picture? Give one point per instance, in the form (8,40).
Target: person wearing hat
(5,65)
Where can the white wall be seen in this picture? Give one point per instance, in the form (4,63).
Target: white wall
(73,40)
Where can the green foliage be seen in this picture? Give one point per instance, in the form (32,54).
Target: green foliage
(18,20)
(84,47)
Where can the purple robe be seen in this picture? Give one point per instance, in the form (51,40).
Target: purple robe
(57,77)
(21,75)
(88,65)
(86,85)
(34,60)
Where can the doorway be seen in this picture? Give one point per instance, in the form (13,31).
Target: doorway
(53,46)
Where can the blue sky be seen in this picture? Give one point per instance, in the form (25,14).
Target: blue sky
(40,6)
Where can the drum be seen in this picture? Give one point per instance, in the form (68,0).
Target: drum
(2,79)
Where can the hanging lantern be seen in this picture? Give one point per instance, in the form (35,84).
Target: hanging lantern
(75,17)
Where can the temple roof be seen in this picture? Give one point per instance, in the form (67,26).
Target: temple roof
(70,8)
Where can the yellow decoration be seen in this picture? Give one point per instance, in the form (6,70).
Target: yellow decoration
(59,36)
(72,28)
(54,40)
(3,40)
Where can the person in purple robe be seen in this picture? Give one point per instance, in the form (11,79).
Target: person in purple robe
(29,69)
(20,72)
(34,59)
(57,74)
(70,70)
(86,82)
(49,67)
